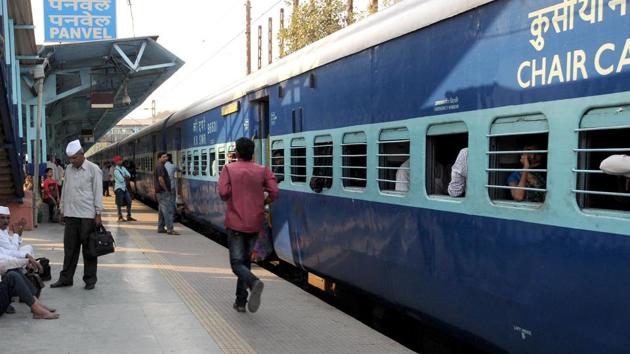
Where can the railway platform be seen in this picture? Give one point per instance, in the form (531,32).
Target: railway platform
(174,294)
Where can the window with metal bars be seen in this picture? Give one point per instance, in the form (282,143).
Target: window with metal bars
(354,160)
(322,176)
(184,164)
(298,160)
(603,132)
(518,159)
(393,160)
(213,162)
(221,159)
(195,165)
(204,162)
(191,170)
(444,143)
(277,159)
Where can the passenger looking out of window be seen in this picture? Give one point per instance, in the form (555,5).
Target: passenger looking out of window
(618,165)
(528,179)
(231,157)
(402,177)
(459,173)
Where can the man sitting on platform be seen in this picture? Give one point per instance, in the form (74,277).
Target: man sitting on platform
(16,284)
(12,244)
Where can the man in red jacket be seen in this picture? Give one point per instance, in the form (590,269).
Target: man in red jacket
(242,184)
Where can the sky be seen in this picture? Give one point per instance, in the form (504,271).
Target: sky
(207,34)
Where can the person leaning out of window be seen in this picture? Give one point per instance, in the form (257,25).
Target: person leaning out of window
(529,179)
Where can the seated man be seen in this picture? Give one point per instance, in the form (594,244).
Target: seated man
(402,177)
(12,244)
(15,284)
(617,165)
(528,179)
(459,173)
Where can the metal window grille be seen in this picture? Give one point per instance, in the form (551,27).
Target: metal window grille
(504,147)
(323,159)
(204,162)
(191,170)
(196,163)
(298,161)
(392,155)
(221,159)
(213,162)
(277,159)
(354,161)
(184,164)
(595,189)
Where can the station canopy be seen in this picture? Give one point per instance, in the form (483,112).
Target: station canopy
(90,86)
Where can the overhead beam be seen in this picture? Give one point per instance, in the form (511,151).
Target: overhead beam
(157,66)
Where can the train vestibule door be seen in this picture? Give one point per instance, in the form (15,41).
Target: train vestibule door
(261,138)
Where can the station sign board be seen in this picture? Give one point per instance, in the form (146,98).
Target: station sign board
(79,20)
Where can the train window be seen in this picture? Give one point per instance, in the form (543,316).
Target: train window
(518,159)
(603,132)
(213,162)
(204,162)
(231,155)
(277,161)
(298,160)
(393,160)
(196,163)
(322,176)
(184,165)
(191,170)
(221,159)
(444,143)
(354,160)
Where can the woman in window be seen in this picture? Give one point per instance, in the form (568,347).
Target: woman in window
(529,179)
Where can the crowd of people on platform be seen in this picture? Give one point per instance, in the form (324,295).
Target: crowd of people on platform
(244,185)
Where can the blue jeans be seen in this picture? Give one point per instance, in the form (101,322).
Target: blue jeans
(123,198)
(240,245)
(166,211)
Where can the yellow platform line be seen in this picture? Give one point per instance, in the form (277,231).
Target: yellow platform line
(223,334)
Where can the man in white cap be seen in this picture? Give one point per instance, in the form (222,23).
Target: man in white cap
(11,244)
(81,206)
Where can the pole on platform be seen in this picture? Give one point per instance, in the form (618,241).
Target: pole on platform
(281,29)
(259,47)
(38,75)
(270,41)
(248,37)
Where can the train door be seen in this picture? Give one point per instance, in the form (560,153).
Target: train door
(261,138)
(177,160)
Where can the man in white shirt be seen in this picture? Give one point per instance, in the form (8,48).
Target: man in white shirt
(618,165)
(402,177)
(11,243)
(81,206)
(459,173)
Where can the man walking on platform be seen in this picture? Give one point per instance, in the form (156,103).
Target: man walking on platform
(123,196)
(81,206)
(163,192)
(242,184)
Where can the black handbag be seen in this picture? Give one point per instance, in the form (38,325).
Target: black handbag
(100,242)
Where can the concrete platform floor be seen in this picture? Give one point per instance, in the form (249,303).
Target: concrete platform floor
(174,294)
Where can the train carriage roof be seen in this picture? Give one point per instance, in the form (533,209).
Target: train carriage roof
(393,22)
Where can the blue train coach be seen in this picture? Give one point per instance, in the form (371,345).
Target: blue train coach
(528,266)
